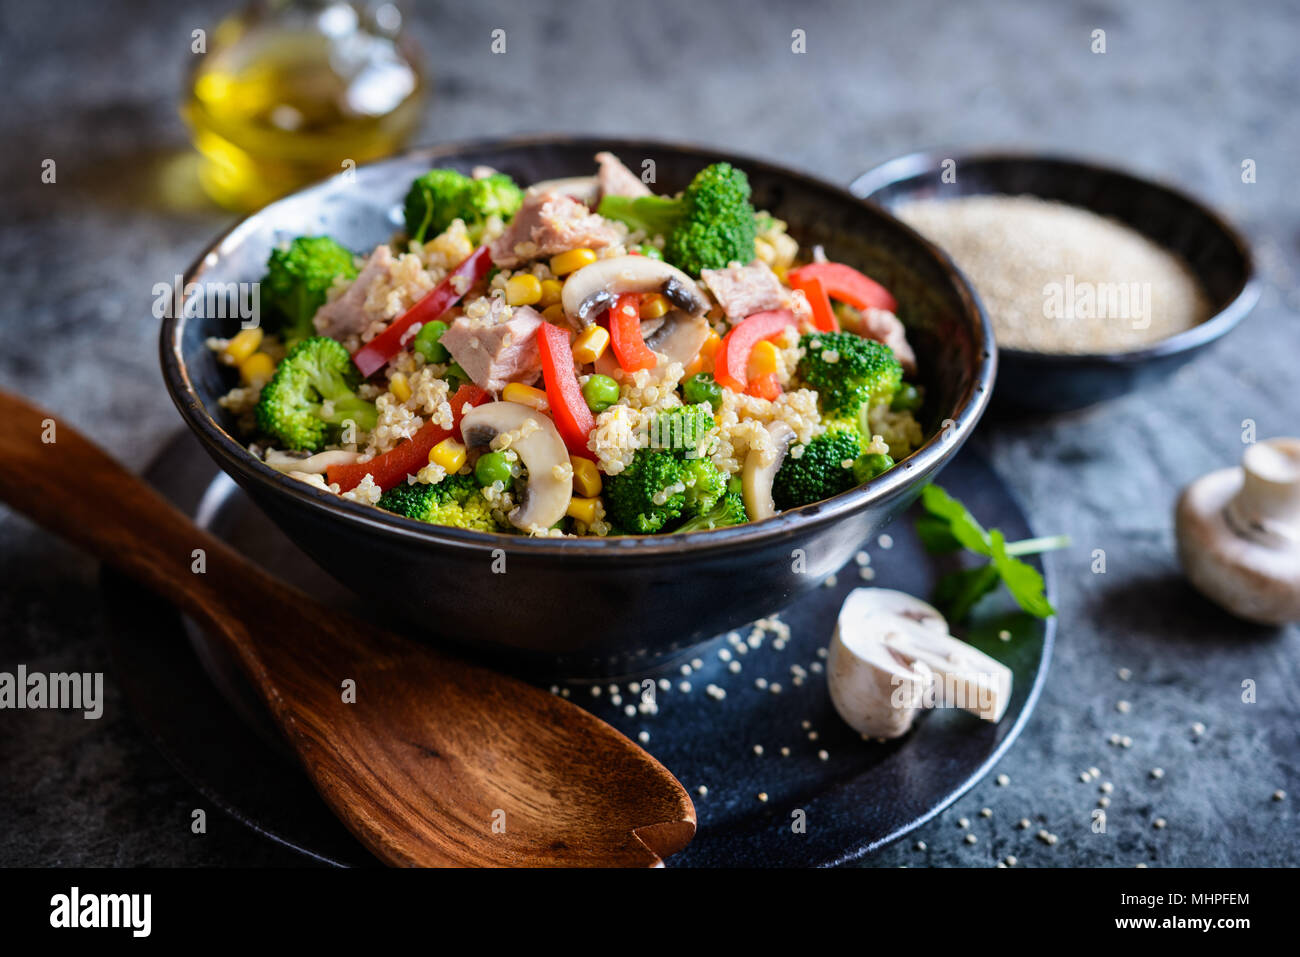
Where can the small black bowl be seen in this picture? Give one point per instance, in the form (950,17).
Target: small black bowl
(589,606)
(1051,382)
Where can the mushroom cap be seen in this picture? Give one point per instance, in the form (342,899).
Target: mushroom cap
(875,691)
(1244,575)
(540,448)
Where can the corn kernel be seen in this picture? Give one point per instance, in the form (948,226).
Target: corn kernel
(448,453)
(583,509)
(551,290)
(399,386)
(525,395)
(703,361)
(523,290)
(586,477)
(574,259)
(762,360)
(590,345)
(257,369)
(553,313)
(243,345)
(653,306)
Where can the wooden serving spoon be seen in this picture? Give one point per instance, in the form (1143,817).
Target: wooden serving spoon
(437,762)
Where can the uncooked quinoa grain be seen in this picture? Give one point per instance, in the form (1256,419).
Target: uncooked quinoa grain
(1059,278)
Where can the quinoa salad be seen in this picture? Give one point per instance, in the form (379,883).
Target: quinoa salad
(575,357)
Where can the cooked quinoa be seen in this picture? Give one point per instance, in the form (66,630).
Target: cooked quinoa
(684,366)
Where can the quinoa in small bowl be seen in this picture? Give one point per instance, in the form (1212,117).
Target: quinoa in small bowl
(1097,282)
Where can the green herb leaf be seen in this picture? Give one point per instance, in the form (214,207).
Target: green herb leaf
(1022,580)
(961,523)
(957,592)
(936,534)
(949,526)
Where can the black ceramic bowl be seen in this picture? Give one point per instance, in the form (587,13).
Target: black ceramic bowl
(589,606)
(1216,252)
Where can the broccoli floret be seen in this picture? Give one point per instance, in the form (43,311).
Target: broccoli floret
(682,429)
(442,195)
(707,227)
(648,494)
(824,468)
(457,501)
(729,509)
(848,371)
(704,486)
(293,407)
(717,224)
(298,276)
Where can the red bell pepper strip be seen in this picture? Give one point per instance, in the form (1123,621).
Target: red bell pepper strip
(374,355)
(823,316)
(731,361)
(625,335)
(847,285)
(569,410)
(764,387)
(411,454)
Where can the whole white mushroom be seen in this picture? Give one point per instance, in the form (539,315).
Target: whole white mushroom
(1239,533)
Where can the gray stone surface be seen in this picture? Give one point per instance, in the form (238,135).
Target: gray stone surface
(1184,92)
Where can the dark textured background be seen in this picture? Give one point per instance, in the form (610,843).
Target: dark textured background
(1185,93)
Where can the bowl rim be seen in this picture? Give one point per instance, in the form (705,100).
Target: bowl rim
(233,457)
(1240,302)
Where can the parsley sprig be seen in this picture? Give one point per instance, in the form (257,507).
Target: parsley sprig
(948,526)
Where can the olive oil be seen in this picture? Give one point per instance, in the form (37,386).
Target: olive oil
(290,92)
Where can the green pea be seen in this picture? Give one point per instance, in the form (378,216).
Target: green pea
(906,399)
(427,344)
(491,467)
(600,391)
(866,467)
(702,387)
(648,251)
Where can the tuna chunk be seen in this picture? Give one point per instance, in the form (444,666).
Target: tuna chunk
(883,326)
(498,347)
(550,223)
(615,179)
(745,290)
(346,316)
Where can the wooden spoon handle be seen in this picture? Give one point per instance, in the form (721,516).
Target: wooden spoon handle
(55,475)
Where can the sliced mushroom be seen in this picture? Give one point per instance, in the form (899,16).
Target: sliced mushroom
(546,495)
(892,655)
(584,189)
(965,677)
(761,466)
(678,338)
(594,288)
(871,602)
(310,464)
